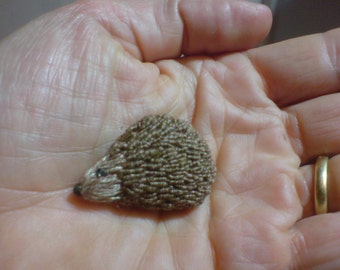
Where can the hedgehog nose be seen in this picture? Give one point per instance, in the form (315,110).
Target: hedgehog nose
(77,189)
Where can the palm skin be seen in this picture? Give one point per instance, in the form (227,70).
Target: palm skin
(76,78)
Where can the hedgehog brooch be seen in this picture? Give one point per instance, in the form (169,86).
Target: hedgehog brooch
(159,163)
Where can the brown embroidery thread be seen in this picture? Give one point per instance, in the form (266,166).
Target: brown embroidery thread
(159,163)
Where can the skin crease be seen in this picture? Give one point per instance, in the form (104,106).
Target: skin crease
(74,79)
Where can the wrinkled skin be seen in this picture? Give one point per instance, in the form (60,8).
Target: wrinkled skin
(74,79)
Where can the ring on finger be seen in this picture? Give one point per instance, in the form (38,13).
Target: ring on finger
(321,185)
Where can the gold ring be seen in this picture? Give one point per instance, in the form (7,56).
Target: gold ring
(320,185)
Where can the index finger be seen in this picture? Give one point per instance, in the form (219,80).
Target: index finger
(300,69)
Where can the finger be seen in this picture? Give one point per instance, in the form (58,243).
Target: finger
(333,186)
(301,68)
(315,127)
(315,243)
(218,26)
(154,30)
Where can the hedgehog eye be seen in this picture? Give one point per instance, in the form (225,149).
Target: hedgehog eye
(100,172)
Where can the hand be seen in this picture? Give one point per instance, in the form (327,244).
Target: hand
(74,79)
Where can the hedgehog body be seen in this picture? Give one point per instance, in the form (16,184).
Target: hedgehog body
(159,163)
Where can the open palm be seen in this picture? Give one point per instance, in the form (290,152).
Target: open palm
(73,80)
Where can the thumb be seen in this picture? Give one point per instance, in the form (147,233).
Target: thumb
(159,29)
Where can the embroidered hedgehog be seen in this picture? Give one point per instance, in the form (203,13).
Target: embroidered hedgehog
(159,163)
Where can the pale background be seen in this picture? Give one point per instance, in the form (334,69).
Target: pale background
(291,17)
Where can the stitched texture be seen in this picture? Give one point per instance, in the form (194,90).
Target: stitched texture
(158,163)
